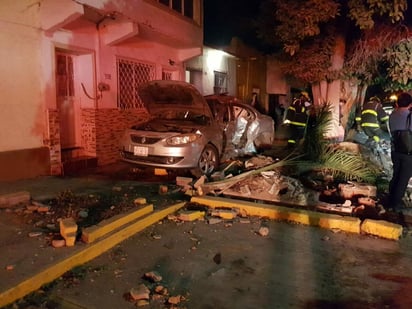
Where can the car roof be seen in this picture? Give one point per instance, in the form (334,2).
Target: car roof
(223,98)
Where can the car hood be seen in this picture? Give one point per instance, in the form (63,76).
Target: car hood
(162,95)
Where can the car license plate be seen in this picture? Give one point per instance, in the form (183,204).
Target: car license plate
(140,151)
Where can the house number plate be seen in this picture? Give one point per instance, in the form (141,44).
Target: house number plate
(141,151)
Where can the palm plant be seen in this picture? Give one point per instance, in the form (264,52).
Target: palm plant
(321,155)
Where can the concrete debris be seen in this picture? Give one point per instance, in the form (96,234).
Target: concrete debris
(9,267)
(258,161)
(58,243)
(213,220)
(174,300)
(140,201)
(153,276)
(367,201)
(190,215)
(68,230)
(224,214)
(35,234)
(14,199)
(163,189)
(141,292)
(274,187)
(142,303)
(263,231)
(338,208)
(200,182)
(348,190)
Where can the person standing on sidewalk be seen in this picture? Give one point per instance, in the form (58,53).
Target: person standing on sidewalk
(401,159)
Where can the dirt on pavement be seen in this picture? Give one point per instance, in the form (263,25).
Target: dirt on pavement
(230,265)
(223,265)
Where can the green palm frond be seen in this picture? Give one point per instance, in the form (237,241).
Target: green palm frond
(320,154)
(342,165)
(319,122)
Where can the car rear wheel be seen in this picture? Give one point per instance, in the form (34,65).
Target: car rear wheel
(208,162)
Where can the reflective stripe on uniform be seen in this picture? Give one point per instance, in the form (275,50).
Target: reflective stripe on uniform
(291,141)
(300,124)
(385,118)
(370,111)
(368,124)
(358,118)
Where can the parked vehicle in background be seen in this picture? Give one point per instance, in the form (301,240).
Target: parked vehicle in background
(189,131)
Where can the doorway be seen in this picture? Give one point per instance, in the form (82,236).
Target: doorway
(67,105)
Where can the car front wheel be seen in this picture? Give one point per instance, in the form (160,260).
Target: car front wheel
(208,162)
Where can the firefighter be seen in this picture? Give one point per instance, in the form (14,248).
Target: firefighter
(297,118)
(371,117)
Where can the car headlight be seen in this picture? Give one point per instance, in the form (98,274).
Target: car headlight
(182,139)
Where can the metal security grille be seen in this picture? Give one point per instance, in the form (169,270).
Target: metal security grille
(166,75)
(130,74)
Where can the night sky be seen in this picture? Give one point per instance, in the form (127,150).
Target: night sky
(224,19)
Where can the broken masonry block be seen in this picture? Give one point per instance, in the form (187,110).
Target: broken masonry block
(58,243)
(163,189)
(70,239)
(141,292)
(367,201)
(224,214)
(245,190)
(153,276)
(67,226)
(13,199)
(140,201)
(348,190)
(200,181)
(191,215)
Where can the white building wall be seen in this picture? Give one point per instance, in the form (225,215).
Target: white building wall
(21,104)
(216,60)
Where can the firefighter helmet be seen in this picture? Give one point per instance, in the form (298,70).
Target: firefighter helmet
(375,99)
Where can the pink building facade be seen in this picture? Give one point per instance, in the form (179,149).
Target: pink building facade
(70,73)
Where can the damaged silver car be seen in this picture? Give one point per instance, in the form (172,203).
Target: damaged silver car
(189,131)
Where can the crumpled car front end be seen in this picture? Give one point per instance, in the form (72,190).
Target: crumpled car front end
(162,144)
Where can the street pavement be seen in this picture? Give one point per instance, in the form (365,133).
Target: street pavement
(29,262)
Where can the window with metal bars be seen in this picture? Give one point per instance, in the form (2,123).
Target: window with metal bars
(130,74)
(184,7)
(220,85)
(167,75)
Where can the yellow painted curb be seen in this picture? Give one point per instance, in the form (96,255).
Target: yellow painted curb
(92,233)
(382,229)
(90,252)
(307,217)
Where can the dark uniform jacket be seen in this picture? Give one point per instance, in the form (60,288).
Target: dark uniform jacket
(371,115)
